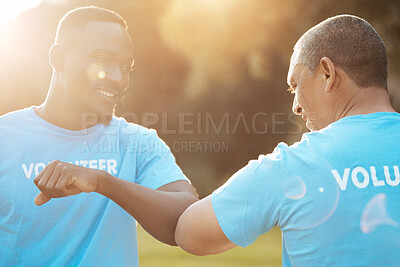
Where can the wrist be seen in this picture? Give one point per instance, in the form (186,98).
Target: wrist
(102,179)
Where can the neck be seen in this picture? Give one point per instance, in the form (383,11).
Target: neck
(58,110)
(367,100)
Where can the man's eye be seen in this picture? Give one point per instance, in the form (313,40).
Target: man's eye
(103,59)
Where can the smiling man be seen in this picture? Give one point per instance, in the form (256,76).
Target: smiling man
(57,147)
(335,194)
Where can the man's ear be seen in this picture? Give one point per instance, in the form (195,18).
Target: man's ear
(57,57)
(329,73)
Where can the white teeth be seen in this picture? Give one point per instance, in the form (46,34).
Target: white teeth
(105,93)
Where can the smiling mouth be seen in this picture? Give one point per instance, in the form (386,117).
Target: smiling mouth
(106,93)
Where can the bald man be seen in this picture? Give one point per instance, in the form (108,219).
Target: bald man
(335,193)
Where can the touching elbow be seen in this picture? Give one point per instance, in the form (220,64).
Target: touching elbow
(185,238)
(189,247)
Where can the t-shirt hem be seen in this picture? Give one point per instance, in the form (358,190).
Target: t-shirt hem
(224,226)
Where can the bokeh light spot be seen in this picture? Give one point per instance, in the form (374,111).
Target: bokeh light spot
(313,199)
(375,214)
(96,71)
(294,188)
(101,74)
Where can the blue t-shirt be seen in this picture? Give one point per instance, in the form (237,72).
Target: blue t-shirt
(85,229)
(335,195)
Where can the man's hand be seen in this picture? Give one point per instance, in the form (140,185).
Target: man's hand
(149,207)
(61,179)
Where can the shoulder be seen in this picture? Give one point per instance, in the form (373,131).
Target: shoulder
(130,128)
(14,123)
(14,116)
(316,142)
(263,170)
(310,145)
(134,133)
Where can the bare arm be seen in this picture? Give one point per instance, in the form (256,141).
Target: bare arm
(156,210)
(198,231)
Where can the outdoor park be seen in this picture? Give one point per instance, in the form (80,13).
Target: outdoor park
(210,76)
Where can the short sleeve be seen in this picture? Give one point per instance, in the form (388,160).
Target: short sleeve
(156,166)
(249,203)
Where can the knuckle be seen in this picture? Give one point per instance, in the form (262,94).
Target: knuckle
(64,169)
(48,187)
(61,168)
(59,187)
(57,167)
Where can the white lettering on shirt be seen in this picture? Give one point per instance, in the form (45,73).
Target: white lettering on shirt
(111,166)
(354,175)
(28,173)
(361,177)
(396,180)
(374,179)
(31,170)
(341,182)
(84,163)
(93,164)
(39,167)
(102,164)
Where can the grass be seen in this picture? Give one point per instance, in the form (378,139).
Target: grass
(266,251)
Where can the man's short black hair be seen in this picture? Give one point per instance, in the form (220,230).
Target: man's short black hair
(352,44)
(80,16)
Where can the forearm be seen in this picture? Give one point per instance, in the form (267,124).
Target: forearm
(157,211)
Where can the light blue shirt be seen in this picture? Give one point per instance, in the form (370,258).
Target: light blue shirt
(335,195)
(85,229)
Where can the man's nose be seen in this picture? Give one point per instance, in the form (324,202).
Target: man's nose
(114,73)
(296,107)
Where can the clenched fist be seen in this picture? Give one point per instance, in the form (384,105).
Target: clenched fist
(61,179)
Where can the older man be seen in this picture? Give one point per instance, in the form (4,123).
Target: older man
(128,170)
(335,194)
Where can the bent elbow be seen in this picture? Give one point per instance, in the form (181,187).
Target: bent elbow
(189,247)
(185,237)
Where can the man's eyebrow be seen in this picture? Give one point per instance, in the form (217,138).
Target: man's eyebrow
(112,54)
(106,51)
(291,81)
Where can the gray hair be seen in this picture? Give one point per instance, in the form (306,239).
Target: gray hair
(352,44)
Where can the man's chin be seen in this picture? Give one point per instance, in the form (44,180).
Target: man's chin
(310,126)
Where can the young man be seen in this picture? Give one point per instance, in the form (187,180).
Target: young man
(335,194)
(71,145)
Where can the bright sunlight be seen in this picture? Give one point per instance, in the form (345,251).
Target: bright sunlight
(10,10)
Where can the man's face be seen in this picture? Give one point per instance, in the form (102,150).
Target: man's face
(308,93)
(97,66)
